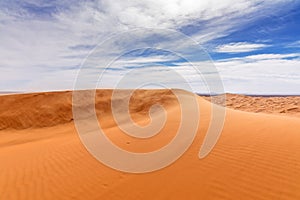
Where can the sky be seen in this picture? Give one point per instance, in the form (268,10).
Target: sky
(248,46)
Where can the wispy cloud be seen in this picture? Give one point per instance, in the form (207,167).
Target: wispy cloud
(44,43)
(273,56)
(261,74)
(294,44)
(239,47)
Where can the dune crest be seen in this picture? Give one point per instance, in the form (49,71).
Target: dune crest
(39,110)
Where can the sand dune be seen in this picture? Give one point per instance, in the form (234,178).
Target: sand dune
(282,105)
(42,157)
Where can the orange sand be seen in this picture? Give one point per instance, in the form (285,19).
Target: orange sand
(288,105)
(42,157)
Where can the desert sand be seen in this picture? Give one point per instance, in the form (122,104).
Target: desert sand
(256,157)
(281,105)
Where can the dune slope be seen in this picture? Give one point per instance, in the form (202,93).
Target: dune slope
(42,157)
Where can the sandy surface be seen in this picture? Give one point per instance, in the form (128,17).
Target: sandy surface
(282,105)
(42,157)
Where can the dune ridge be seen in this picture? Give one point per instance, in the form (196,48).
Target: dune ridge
(47,109)
(37,110)
(256,157)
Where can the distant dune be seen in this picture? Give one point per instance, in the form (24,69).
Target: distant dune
(42,157)
(8,92)
(283,105)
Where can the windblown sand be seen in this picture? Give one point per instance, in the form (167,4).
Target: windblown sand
(282,105)
(42,157)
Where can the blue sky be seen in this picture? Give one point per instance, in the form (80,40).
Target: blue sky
(254,45)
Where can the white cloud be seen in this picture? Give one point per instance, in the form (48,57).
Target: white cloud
(261,75)
(272,56)
(239,47)
(39,54)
